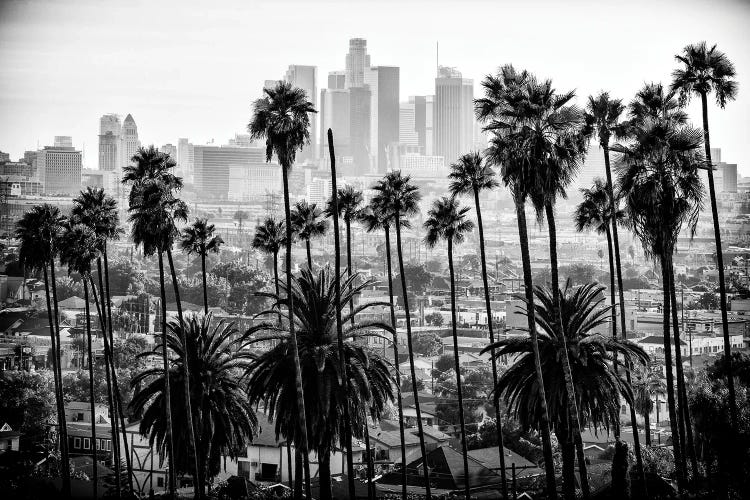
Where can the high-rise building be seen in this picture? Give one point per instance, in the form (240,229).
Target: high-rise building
(407,131)
(213,165)
(63,141)
(335,114)
(384,112)
(454,114)
(171,150)
(337,80)
(357,61)
(59,170)
(110,130)
(130,142)
(360,102)
(729,177)
(306,78)
(185,158)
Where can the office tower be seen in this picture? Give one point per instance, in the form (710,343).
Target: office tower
(63,141)
(185,158)
(129,142)
(729,177)
(110,130)
(454,114)
(242,141)
(357,61)
(360,100)
(306,78)
(593,167)
(337,80)
(171,150)
(214,165)
(384,112)
(59,169)
(407,131)
(335,114)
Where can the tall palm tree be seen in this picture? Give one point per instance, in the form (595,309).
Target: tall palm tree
(663,194)
(647,382)
(199,238)
(79,248)
(348,203)
(154,214)
(38,232)
(335,209)
(400,198)
(271,379)
(308,223)
(269,238)
(98,211)
(222,408)
(470,175)
(282,118)
(598,385)
(497,110)
(447,221)
(376,217)
(704,71)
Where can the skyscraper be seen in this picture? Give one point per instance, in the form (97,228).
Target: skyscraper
(63,141)
(424,122)
(337,80)
(454,114)
(185,158)
(130,142)
(215,165)
(335,114)
(360,101)
(59,170)
(110,130)
(306,78)
(384,112)
(171,150)
(357,61)
(407,132)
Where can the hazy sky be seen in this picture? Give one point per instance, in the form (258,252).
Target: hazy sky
(191,69)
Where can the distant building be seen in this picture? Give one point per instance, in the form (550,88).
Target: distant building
(171,150)
(384,112)
(729,177)
(337,80)
(63,141)
(407,132)
(335,114)
(59,170)
(357,60)
(306,78)
(185,160)
(4,157)
(248,182)
(420,166)
(360,109)
(424,122)
(130,142)
(213,165)
(454,114)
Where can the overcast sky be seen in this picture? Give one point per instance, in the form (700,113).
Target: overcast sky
(191,69)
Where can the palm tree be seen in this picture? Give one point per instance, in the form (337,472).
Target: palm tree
(599,385)
(335,209)
(504,93)
(647,382)
(346,206)
(154,214)
(271,379)
(98,211)
(446,221)
(199,238)
(79,247)
(663,193)
(400,198)
(38,232)
(240,216)
(705,70)
(308,223)
(282,118)
(376,217)
(470,175)
(225,417)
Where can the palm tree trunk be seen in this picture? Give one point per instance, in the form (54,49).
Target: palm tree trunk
(56,361)
(324,465)
(623,320)
(339,332)
(167,389)
(276,279)
(63,423)
(549,466)
(401,432)
(205,286)
(309,253)
(110,397)
(568,453)
(109,349)
(647,427)
(400,255)
(490,326)
(92,395)
(676,445)
(575,425)
(289,463)
(720,266)
(298,475)
(682,391)
(192,443)
(457,367)
(370,465)
(303,445)
(349,259)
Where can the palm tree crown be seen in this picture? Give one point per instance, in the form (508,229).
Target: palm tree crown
(199,238)
(397,195)
(470,174)
(79,247)
(602,117)
(446,221)
(38,232)
(595,211)
(349,202)
(98,211)
(705,70)
(308,221)
(269,236)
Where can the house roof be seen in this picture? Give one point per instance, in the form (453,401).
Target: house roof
(655,339)
(392,439)
(490,457)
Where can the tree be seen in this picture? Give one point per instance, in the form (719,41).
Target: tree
(67,287)
(28,404)
(400,197)
(347,206)
(470,175)
(308,223)
(38,232)
(663,193)
(647,382)
(497,110)
(434,319)
(704,71)
(199,239)
(447,221)
(419,278)
(224,415)
(598,385)
(240,216)
(282,118)
(708,300)
(271,379)
(269,237)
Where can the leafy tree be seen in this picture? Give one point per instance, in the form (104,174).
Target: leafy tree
(28,403)
(407,385)
(125,352)
(67,287)
(434,319)
(427,343)
(420,280)
(76,386)
(199,239)
(308,223)
(708,300)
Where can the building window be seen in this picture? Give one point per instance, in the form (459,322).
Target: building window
(160,482)
(79,417)
(76,442)
(86,443)
(109,445)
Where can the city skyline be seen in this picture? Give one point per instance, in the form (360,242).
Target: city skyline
(177,98)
